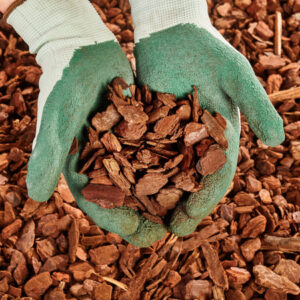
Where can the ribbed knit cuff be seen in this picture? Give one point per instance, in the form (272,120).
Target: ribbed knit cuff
(39,22)
(11,8)
(150,16)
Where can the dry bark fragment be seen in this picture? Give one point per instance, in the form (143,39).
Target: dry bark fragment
(245,199)
(254,227)
(81,270)
(215,130)
(168,197)
(213,160)
(158,113)
(26,240)
(111,142)
(58,262)
(194,133)
(214,267)
(37,285)
(104,195)
(56,293)
(249,248)
(104,255)
(106,120)
(132,114)
(166,125)
(46,248)
(150,183)
(184,112)
(73,237)
(11,229)
(102,292)
(184,181)
(197,289)
(136,285)
(235,294)
(167,99)
(172,279)
(271,62)
(290,269)
(237,276)
(130,131)
(172,163)
(196,110)
(267,278)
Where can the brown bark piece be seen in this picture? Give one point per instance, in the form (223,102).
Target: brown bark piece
(254,227)
(267,278)
(26,240)
(11,229)
(212,161)
(37,285)
(150,183)
(196,106)
(271,62)
(172,163)
(169,197)
(102,292)
(115,174)
(104,195)
(197,289)
(158,113)
(104,255)
(184,181)
(130,131)
(167,99)
(194,133)
(137,283)
(106,120)
(215,130)
(249,248)
(111,142)
(214,267)
(184,112)
(237,276)
(58,262)
(166,125)
(132,114)
(73,237)
(81,270)
(290,269)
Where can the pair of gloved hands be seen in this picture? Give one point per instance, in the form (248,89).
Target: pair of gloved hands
(176,48)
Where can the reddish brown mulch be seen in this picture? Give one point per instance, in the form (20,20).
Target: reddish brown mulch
(248,248)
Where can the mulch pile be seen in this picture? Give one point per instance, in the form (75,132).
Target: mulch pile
(248,248)
(145,151)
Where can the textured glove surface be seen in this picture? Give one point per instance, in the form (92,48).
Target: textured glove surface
(172,61)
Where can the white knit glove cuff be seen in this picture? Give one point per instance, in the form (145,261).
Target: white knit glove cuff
(39,22)
(150,16)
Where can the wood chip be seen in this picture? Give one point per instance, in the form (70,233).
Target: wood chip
(104,195)
(215,130)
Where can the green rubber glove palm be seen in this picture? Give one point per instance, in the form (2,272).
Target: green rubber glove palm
(174,59)
(79,57)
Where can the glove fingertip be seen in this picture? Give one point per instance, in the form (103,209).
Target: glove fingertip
(272,133)
(42,176)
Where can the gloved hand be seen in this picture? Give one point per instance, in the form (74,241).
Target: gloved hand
(79,57)
(176,48)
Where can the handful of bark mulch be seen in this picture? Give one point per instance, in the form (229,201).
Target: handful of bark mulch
(147,150)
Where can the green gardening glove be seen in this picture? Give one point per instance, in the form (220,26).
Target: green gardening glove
(176,48)
(79,57)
